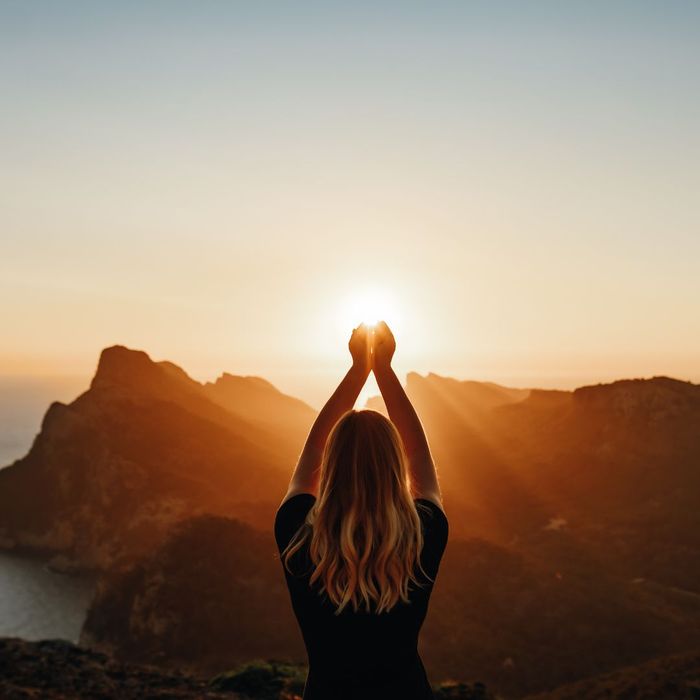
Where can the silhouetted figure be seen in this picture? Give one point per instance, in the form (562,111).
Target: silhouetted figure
(361,533)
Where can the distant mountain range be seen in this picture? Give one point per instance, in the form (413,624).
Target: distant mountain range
(575,520)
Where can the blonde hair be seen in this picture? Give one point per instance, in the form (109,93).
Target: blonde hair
(364,529)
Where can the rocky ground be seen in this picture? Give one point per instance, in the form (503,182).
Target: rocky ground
(59,670)
(56,669)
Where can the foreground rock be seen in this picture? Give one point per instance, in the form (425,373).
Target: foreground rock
(58,670)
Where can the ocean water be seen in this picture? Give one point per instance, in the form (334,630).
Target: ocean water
(36,603)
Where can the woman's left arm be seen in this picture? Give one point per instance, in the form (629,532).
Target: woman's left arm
(306,474)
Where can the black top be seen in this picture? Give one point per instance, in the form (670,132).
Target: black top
(361,654)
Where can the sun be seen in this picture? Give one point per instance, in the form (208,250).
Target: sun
(369,306)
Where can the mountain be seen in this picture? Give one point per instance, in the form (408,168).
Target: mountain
(256,400)
(143,448)
(470,398)
(615,466)
(619,466)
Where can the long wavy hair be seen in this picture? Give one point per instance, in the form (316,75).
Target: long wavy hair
(364,533)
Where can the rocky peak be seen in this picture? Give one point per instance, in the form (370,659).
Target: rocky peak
(234,382)
(246,395)
(121,368)
(414,378)
(653,398)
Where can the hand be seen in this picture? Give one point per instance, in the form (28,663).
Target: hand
(383,346)
(360,347)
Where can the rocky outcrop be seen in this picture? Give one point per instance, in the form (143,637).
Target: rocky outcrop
(210,596)
(56,670)
(651,400)
(144,448)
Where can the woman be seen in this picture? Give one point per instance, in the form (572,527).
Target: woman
(361,532)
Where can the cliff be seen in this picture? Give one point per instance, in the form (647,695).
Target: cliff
(143,448)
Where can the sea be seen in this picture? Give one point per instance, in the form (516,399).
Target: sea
(35,602)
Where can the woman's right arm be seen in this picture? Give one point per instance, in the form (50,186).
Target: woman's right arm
(424,478)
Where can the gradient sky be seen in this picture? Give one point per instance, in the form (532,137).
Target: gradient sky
(216,183)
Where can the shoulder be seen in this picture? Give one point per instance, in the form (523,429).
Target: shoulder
(436,531)
(296,501)
(432,515)
(291,514)
(432,505)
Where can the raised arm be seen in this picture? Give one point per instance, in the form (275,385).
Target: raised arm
(424,480)
(306,474)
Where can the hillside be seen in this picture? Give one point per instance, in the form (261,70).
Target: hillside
(669,678)
(213,594)
(616,467)
(143,448)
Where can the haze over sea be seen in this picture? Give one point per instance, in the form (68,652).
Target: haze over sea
(23,403)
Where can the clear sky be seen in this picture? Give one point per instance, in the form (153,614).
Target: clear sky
(218,182)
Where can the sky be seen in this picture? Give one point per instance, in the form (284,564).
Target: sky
(231,185)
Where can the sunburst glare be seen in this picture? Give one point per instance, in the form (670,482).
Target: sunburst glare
(369,305)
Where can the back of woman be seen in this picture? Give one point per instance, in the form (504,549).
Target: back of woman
(361,650)
(361,533)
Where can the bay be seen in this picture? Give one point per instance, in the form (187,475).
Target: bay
(37,603)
